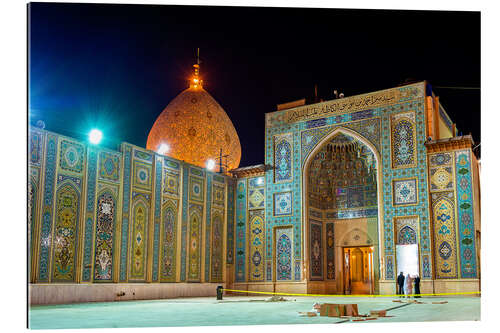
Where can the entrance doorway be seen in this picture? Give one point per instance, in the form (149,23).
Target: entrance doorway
(358,270)
(407,259)
(342,210)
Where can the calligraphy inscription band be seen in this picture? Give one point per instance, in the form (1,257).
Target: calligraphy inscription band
(354,103)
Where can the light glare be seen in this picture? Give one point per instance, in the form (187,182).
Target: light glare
(95,136)
(210,165)
(163,148)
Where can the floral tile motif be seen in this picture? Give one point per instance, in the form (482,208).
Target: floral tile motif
(369,128)
(403,140)
(310,138)
(230,221)
(142,175)
(330,251)
(256,243)
(297,270)
(316,250)
(184,221)
(240,230)
(441,178)
(194,244)
(282,203)
(139,237)
(168,264)
(465,209)
(404,191)
(195,188)
(71,156)
(283,158)
(217,260)
(445,246)
(208,224)
(283,251)
(66,231)
(109,166)
(406,230)
(105,229)
(440,159)
(426,266)
(171,182)
(389,267)
(256,198)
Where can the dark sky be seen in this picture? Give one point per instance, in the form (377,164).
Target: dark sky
(116,67)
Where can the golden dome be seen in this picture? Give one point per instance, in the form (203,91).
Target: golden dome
(195,127)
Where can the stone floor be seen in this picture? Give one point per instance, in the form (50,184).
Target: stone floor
(235,310)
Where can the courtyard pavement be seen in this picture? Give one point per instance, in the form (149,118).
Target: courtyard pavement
(241,310)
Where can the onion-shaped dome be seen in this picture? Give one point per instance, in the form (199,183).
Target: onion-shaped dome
(194,128)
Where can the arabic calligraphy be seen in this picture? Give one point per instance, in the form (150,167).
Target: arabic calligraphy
(349,104)
(339,106)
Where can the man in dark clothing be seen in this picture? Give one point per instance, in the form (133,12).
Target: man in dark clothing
(401,283)
(417,286)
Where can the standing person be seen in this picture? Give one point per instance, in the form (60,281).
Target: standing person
(401,283)
(408,285)
(417,286)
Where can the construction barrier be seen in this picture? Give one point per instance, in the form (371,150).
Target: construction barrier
(317,295)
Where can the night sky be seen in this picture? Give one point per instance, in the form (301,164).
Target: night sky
(116,67)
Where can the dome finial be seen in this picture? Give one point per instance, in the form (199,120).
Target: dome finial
(196,82)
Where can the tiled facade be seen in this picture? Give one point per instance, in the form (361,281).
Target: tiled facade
(98,216)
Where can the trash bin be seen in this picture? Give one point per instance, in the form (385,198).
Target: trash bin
(219,293)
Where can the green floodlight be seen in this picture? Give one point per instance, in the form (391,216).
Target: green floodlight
(95,136)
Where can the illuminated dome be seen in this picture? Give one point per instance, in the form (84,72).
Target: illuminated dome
(194,127)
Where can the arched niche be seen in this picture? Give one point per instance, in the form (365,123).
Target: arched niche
(356,237)
(378,202)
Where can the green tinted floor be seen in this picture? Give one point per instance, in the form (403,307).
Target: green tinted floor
(206,311)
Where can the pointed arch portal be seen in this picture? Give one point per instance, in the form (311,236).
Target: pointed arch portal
(341,196)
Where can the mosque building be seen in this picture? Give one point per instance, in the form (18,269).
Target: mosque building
(352,191)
